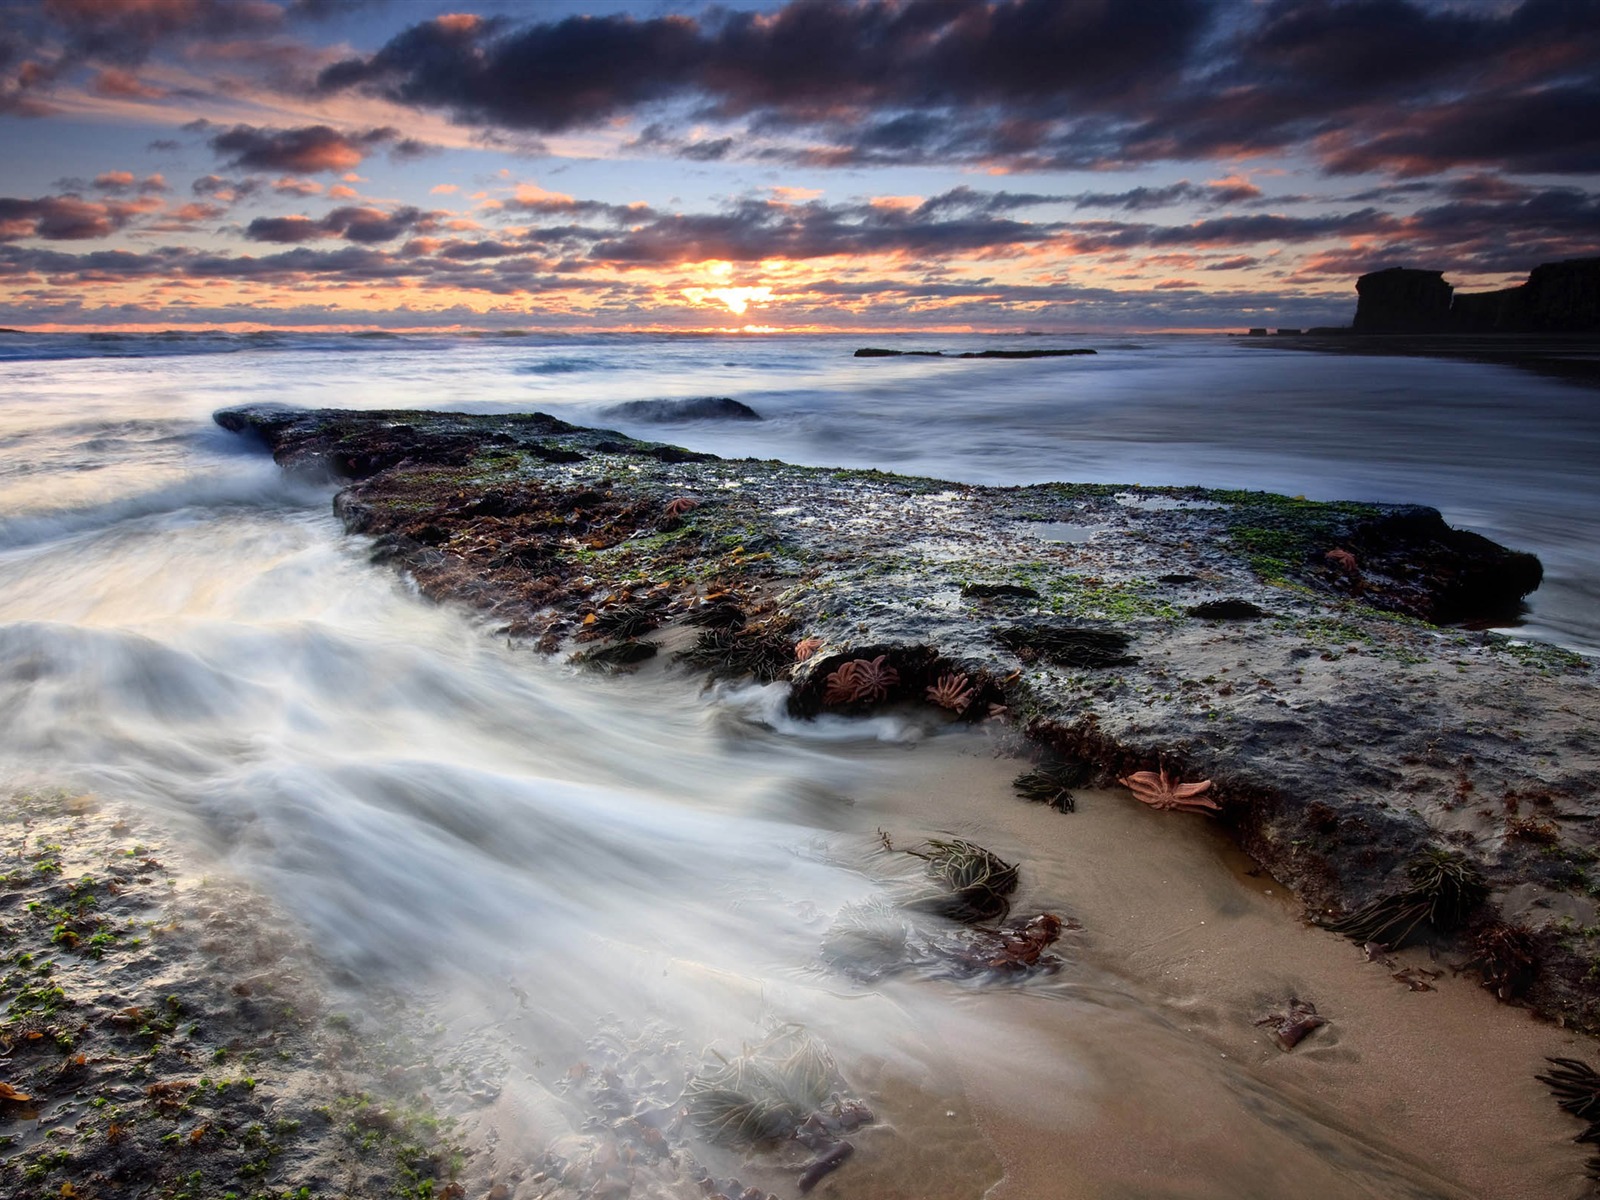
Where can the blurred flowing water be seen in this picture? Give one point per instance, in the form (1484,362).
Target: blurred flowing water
(184,627)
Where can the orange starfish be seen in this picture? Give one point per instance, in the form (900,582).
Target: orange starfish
(1158,791)
(952,692)
(860,679)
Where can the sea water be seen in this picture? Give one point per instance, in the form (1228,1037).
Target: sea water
(185,628)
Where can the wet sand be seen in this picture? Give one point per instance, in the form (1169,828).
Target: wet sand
(1149,1077)
(1574,357)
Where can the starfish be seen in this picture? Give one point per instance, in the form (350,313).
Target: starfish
(860,679)
(873,679)
(1290,1028)
(1342,559)
(841,687)
(1158,791)
(952,692)
(806,647)
(676,508)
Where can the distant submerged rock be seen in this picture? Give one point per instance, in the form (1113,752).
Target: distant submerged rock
(875,352)
(700,408)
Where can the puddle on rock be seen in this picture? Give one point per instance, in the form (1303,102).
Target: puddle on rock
(1060,531)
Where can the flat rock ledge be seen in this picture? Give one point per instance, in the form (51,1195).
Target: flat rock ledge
(1285,649)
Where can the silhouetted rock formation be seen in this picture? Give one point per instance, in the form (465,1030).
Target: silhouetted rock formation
(1561,297)
(1401,300)
(876,352)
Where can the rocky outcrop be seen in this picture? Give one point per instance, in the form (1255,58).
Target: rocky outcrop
(1401,300)
(1242,637)
(1561,297)
(672,412)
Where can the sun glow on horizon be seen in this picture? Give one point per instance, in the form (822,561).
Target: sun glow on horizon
(735,299)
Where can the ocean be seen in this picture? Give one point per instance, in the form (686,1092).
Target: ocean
(186,629)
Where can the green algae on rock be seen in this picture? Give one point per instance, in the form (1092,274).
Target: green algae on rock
(171,1036)
(1346,733)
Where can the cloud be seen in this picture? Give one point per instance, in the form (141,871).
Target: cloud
(117,84)
(307,150)
(120,182)
(356,224)
(65,218)
(1033,84)
(226,190)
(45,42)
(808,59)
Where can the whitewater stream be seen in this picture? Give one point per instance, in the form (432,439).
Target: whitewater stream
(185,628)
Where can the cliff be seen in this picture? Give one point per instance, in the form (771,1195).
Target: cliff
(1562,297)
(1401,300)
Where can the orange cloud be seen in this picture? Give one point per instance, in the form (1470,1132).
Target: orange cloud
(116,84)
(531,195)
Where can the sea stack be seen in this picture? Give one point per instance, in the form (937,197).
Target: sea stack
(1402,300)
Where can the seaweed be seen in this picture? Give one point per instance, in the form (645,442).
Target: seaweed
(718,614)
(1051,783)
(767,653)
(1067,645)
(1445,888)
(1505,956)
(978,883)
(765,1093)
(625,621)
(869,942)
(1576,1087)
(617,655)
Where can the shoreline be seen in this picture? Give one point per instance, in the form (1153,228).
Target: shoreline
(1574,358)
(172,1032)
(1347,744)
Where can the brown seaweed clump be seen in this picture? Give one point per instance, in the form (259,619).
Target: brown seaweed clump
(786,1089)
(1445,889)
(1052,783)
(764,650)
(977,884)
(1504,955)
(869,942)
(1576,1086)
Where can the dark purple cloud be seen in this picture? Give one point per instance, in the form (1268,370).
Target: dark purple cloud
(62,218)
(1401,86)
(307,149)
(805,61)
(368,226)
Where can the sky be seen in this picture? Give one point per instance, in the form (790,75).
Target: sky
(940,165)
